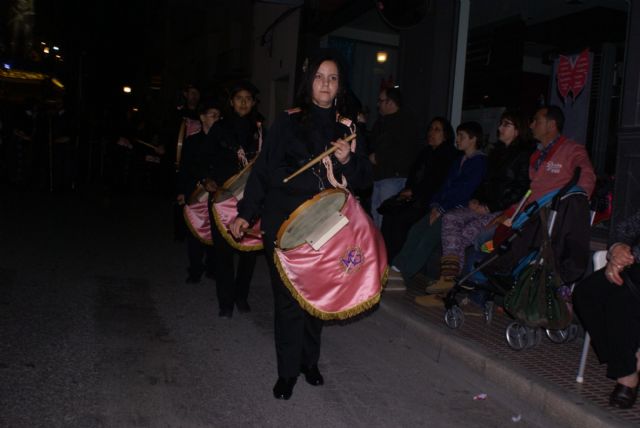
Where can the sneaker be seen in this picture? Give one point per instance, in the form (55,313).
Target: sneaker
(442,285)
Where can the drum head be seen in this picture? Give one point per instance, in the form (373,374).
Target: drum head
(235,185)
(295,230)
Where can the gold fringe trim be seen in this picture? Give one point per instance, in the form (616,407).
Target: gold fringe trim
(193,230)
(327,316)
(227,236)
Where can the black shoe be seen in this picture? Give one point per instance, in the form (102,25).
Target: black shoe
(193,279)
(225,313)
(312,375)
(243,306)
(623,397)
(283,388)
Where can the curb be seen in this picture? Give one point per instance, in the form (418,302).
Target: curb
(566,408)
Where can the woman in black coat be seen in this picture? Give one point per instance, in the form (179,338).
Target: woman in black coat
(295,137)
(427,174)
(608,304)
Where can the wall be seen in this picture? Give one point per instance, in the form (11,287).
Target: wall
(274,63)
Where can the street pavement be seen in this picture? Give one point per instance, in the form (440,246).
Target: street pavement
(98,329)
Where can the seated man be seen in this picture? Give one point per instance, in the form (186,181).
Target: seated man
(551,167)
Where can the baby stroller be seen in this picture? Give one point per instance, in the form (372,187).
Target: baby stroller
(499,272)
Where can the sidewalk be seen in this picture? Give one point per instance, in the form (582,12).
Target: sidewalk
(544,375)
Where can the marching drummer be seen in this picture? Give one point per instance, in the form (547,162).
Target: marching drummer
(242,140)
(199,158)
(296,137)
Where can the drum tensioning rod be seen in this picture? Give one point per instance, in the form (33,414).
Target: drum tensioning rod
(317,159)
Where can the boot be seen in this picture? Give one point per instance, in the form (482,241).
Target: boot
(449,269)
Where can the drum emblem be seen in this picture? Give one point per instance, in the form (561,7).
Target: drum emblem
(352,260)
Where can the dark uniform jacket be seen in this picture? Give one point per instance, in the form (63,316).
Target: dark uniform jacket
(204,156)
(295,138)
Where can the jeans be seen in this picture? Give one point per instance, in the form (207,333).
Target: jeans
(382,190)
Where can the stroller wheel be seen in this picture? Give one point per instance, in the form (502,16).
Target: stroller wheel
(454,317)
(573,332)
(563,335)
(488,312)
(518,336)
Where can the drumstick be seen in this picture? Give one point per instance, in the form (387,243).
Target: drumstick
(317,159)
(144,143)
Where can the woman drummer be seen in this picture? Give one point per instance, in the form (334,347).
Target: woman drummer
(243,137)
(297,136)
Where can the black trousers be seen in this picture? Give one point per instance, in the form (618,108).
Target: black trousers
(611,315)
(197,252)
(395,228)
(232,282)
(297,333)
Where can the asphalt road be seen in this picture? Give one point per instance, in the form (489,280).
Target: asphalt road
(98,329)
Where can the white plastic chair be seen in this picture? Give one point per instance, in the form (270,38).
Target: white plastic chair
(599,261)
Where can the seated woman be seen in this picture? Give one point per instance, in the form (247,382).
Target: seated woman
(464,177)
(427,174)
(506,182)
(608,305)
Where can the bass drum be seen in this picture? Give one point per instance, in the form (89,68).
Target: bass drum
(225,210)
(331,256)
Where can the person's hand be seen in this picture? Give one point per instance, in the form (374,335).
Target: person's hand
(501,219)
(159,150)
(238,226)
(343,153)
(180,199)
(210,185)
(406,194)
(620,256)
(372,158)
(612,272)
(433,215)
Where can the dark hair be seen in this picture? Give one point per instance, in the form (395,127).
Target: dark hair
(449,135)
(555,113)
(520,123)
(395,95)
(305,91)
(208,104)
(244,85)
(474,130)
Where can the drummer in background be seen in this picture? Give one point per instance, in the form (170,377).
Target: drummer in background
(297,136)
(199,154)
(243,141)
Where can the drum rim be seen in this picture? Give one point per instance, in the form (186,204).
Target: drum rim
(301,208)
(231,180)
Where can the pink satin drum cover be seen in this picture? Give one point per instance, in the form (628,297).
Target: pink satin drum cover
(224,213)
(197,218)
(345,276)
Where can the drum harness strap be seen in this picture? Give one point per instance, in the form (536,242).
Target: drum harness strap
(327,160)
(242,156)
